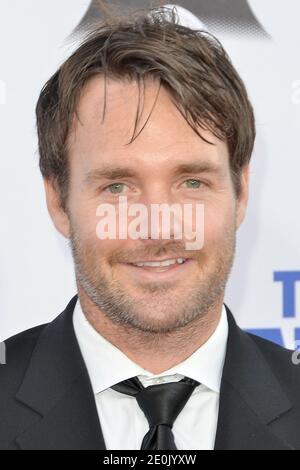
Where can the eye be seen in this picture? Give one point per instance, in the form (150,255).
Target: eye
(115,188)
(193,184)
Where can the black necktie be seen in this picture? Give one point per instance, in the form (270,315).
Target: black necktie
(161,405)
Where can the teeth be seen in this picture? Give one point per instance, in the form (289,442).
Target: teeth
(157,264)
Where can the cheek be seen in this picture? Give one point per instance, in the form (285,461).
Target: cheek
(218,224)
(84,219)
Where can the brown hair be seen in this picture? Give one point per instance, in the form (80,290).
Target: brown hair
(191,64)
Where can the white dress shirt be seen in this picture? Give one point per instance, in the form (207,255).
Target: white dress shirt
(122,421)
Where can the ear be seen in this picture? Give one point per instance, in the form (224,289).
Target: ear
(242,200)
(58,215)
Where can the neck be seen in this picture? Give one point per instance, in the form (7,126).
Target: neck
(154,352)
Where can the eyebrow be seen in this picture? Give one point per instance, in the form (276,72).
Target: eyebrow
(113,173)
(198,167)
(109,173)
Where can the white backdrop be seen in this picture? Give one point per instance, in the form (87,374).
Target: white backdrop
(36,270)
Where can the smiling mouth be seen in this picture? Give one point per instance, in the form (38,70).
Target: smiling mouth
(159,266)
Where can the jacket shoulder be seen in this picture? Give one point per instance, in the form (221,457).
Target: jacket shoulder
(285,363)
(267,345)
(18,351)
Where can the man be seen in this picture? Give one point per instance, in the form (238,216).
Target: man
(146,355)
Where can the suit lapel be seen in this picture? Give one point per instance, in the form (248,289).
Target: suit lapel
(251,398)
(57,389)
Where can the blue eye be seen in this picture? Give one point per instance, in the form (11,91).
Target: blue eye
(194,184)
(115,188)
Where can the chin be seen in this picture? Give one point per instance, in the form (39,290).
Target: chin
(161,322)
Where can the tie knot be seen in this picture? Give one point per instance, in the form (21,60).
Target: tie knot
(162,403)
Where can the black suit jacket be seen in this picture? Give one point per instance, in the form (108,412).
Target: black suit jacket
(46,399)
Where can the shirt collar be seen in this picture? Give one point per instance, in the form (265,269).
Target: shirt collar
(108,365)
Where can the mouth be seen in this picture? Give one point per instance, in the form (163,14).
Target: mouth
(159,269)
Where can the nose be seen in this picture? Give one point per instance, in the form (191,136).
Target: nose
(163,214)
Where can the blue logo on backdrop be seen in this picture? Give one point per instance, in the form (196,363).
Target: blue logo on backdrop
(288,280)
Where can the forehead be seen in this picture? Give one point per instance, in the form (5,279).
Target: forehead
(105,122)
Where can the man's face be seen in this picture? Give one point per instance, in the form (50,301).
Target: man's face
(150,170)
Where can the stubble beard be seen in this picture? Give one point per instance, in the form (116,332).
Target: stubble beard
(160,308)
